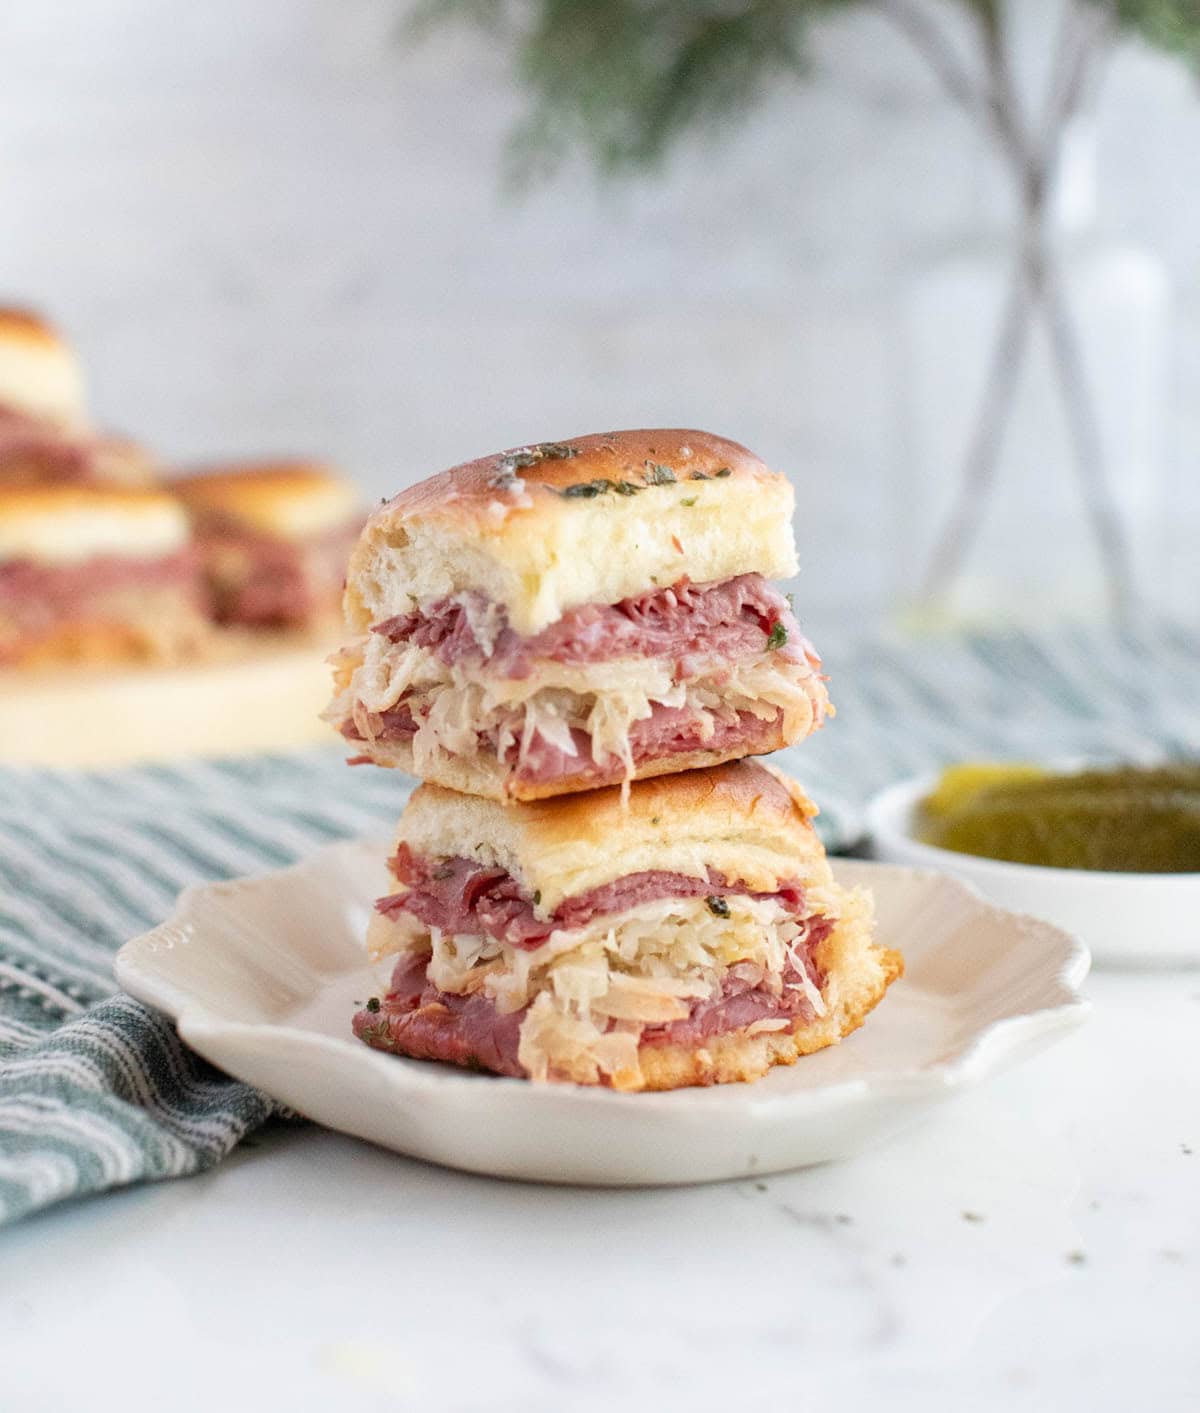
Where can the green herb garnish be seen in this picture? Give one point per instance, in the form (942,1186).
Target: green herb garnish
(586,490)
(717,905)
(688,500)
(537,896)
(659,475)
(528,456)
(723,472)
(373,1005)
(776,637)
(697,476)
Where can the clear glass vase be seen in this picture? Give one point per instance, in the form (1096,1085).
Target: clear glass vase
(1027,548)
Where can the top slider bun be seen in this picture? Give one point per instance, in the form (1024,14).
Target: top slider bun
(288,500)
(743,819)
(596,519)
(39,373)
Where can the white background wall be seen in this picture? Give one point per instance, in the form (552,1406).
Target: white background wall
(271,225)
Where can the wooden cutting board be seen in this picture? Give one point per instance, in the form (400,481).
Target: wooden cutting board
(258,698)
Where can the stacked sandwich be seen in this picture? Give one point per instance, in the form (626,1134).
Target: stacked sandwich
(101,562)
(537,634)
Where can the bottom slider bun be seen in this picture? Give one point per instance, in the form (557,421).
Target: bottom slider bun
(484,775)
(695,937)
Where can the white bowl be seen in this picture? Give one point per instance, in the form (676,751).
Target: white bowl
(263,976)
(1126,919)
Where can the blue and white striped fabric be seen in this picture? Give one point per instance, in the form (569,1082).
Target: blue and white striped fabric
(97,1091)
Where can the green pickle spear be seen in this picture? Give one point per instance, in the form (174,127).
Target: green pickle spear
(1131,819)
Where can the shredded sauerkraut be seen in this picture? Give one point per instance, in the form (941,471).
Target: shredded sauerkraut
(454,706)
(592,991)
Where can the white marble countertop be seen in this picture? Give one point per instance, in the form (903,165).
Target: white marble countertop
(1036,1245)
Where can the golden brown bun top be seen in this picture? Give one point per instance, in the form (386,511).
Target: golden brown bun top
(627,458)
(743,819)
(289,499)
(39,373)
(24,326)
(594,519)
(65,524)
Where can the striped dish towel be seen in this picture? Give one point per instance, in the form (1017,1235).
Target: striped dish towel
(97,1091)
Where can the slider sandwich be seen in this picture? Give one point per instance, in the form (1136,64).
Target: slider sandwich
(45,437)
(96,575)
(695,936)
(274,539)
(572,615)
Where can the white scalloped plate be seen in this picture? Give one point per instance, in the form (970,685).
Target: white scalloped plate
(263,975)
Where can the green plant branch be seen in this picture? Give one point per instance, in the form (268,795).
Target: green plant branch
(625,79)
(1036,284)
(592,70)
(992,97)
(982,458)
(1088,31)
(1088,445)
(928,38)
(1004,107)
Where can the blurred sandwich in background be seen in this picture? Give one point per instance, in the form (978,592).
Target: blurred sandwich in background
(45,434)
(273,539)
(91,575)
(141,619)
